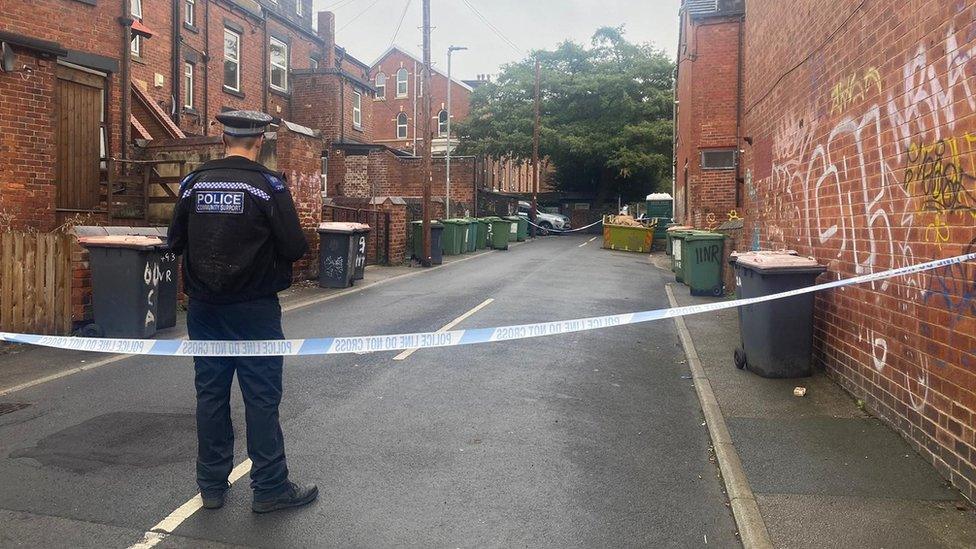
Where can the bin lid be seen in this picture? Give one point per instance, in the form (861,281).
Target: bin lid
(778,262)
(679,228)
(704,235)
(433,224)
(338,227)
(121,241)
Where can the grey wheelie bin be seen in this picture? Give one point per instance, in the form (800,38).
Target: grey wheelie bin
(337,254)
(169,267)
(360,236)
(436,241)
(777,336)
(125,284)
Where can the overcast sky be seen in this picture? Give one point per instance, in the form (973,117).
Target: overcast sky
(366,27)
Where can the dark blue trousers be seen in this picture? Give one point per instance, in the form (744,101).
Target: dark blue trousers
(260,382)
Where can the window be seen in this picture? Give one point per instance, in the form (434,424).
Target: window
(357,109)
(402,125)
(402,83)
(135,46)
(721,159)
(279,65)
(442,123)
(313,63)
(189,17)
(299,9)
(381,86)
(188,85)
(232,60)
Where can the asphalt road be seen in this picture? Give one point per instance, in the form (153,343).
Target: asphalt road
(580,440)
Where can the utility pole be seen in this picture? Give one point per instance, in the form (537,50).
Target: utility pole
(450,84)
(535,148)
(427,161)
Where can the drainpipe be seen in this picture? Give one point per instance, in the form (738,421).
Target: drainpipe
(266,63)
(176,75)
(126,77)
(206,69)
(342,96)
(738,115)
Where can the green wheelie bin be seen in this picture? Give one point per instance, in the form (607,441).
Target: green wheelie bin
(677,238)
(417,241)
(482,241)
(702,262)
(472,239)
(513,224)
(523,228)
(498,231)
(453,239)
(670,235)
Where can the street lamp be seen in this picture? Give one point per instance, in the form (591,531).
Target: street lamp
(447,199)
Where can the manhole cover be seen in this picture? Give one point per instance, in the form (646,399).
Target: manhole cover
(8,407)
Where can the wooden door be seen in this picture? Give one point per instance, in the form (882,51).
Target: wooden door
(79,119)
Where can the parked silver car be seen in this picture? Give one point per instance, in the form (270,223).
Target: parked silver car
(547,221)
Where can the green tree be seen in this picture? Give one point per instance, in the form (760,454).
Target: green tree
(606,115)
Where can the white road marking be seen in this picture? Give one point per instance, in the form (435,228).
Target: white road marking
(448,326)
(166,526)
(587,242)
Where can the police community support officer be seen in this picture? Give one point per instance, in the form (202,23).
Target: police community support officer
(235,225)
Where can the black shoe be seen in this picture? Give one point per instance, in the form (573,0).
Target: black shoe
(214,499)
(295,496)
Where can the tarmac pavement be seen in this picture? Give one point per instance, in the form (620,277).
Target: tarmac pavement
(592,439)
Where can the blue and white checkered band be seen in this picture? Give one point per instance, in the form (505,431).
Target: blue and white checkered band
(227,186)
(220,202)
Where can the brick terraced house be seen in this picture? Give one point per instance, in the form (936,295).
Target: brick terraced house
(97,129)
(856,123)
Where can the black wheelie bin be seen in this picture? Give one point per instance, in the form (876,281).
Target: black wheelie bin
(777,335)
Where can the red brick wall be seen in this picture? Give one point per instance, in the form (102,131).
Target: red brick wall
(707,95)
(27,155)
(863,156)
(157,54)
(27,106)
(299,158)
(386,110)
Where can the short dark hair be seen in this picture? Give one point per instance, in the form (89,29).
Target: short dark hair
(248,142)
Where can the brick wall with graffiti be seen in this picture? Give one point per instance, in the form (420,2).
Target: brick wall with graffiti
(865,157)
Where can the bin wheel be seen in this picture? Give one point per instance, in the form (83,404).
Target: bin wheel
(740,358)
(717,291)
(91,330)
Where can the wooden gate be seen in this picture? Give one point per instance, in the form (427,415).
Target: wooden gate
(79,138)
(35,283)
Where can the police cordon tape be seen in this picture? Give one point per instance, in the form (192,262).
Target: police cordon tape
(430,340)
(551,230)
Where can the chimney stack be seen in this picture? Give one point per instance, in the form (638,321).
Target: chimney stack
(326,32)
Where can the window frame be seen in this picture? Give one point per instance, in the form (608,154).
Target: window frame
(405,82)
(135,45)
(236,61)
(380,88)
(272,65)
(189,78)
(189,12)
(709,167)
(299,8)
(136,13)
(405,125)
(357,109)
(442,126)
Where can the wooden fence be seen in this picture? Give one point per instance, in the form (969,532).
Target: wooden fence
(35,283)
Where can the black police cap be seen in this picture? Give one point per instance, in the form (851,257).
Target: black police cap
(244,123)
